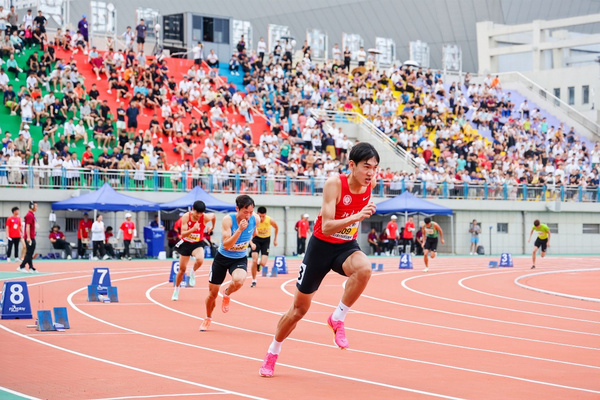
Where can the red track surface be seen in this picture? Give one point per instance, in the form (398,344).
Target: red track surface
(460,331)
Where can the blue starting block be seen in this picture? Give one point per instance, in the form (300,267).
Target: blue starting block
(280,264)
(264,271)
(506,260)
(274,271)
(405,261)
(61,317)
(112,294)
(376,267)
(15,301)
(93,293)
(493,264)
(44,321)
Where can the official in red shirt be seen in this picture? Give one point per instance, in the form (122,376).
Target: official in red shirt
(391,232)
(407,235)
(83,234)
(13,232)
(29,237)
(57,238)
(128,230)
(302,227)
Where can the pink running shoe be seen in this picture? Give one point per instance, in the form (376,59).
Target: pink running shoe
(268,365)
(225,306)
(339,333)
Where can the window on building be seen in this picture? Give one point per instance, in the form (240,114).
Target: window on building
(571,95)
(502,227)
(553,228)
(71,224)
(3,223)
(593,229)
(585,94)
(557,95)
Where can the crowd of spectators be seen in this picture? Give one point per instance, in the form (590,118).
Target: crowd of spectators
(196,116)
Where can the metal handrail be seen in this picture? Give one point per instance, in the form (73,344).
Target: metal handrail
(571,112)
(354,117)
(277,184)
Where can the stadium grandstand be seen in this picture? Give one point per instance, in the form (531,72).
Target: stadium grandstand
(230,98)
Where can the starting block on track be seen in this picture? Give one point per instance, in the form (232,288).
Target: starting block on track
(61,317)
(493,264)
(376,267)
(44,321)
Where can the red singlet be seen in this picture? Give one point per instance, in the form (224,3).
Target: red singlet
(348,205)
(198,234)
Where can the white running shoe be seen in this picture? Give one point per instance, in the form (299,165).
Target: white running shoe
(426,269)
(175,296)
(192,282)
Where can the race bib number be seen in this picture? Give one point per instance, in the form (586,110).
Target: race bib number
(429,231)
(15,226)
(263,232)
(239,246)
(194,237)
(347,233)
(130,231)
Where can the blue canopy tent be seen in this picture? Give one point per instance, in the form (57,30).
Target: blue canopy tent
(105,199)
(408,203)
(197,193)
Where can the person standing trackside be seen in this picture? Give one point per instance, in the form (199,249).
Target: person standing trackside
(129,232)
(474,230)
(429,241)
(14,231)
(333,246)
(407,234)
(237,230)
(302,227)
(29,236)
(262,242)
(98,237)
(192,243)
(83,234)
(141,35)
(543,240)
(391,232)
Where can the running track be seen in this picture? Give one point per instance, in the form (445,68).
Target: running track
(461,331)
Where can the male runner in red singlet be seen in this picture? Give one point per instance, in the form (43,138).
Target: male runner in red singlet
(191,243)
(333,246)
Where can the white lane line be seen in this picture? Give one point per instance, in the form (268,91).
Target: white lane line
(428,324)
(406,389)
(594,299)
(148,293)
(70,301)
(156,396)
(461,283)
(404,284)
